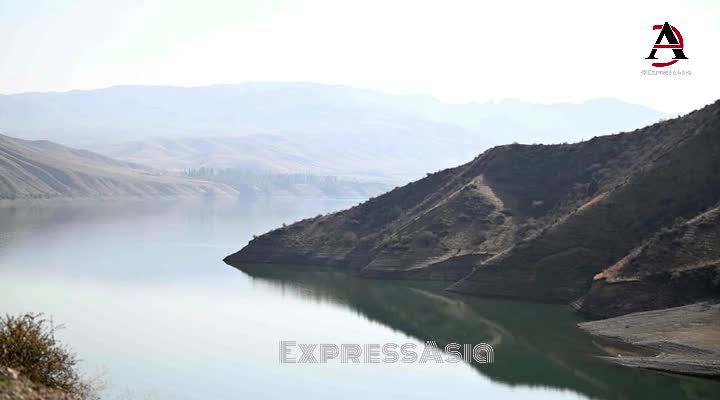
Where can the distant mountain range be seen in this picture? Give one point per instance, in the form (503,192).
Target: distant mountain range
(300,127)
(40,169)
(43,169)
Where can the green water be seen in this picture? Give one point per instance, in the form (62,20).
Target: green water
(536,345)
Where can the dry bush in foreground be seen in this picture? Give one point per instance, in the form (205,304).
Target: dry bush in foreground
(28,345)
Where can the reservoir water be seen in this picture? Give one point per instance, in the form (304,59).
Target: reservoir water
(148,304)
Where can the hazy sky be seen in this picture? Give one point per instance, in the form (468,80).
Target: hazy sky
(543,51)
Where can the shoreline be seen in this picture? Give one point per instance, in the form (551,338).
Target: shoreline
(108,199)
(681,340)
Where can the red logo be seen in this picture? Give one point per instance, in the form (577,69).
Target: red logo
(675,40)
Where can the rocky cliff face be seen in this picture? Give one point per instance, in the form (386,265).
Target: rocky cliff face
(524,221)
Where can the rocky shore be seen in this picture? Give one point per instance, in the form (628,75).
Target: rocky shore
(683,340)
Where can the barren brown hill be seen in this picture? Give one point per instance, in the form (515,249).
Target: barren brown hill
(43,169)
(677,266)
(524,221)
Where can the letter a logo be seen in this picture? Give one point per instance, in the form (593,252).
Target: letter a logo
(675,40)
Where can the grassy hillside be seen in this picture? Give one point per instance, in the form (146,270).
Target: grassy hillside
(42,169)
(535,222)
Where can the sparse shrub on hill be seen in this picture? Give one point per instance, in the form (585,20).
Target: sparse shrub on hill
(426,238)
(349,238)
(395,212)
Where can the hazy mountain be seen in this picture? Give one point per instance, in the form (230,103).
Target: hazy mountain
(300,127)
(43,169)
(256,153)
(389,160)
(540,222)
(250,183)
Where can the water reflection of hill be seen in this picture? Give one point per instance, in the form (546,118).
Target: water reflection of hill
(535,344)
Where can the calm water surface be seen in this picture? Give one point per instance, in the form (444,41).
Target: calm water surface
(148,303)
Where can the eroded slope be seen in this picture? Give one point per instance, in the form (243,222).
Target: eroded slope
(678,265)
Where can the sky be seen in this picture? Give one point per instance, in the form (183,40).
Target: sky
(454,50)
